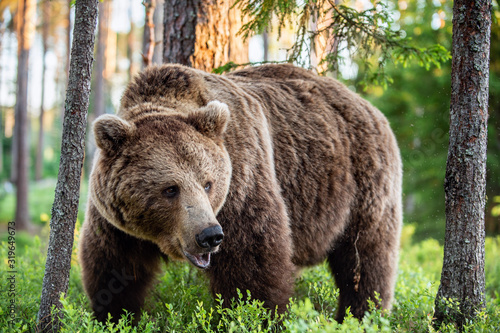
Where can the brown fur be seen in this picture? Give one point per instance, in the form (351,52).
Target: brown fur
(302,170)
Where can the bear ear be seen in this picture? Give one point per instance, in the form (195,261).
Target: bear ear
(111,132)
(210,120)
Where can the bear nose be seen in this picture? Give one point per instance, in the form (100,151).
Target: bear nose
(210,237)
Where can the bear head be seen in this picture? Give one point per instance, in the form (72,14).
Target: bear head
(163,177)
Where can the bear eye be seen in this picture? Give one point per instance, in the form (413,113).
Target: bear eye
(171,192)
(208,186)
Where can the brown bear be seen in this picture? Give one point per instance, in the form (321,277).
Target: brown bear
(249,176)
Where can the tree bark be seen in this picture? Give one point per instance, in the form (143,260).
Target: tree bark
(196,33)
(45,35)
(238,47)
(265,42)
(68,39)
(25,30)
(158,22)
(67,193)
(323,42)
(462,277)
(68,52)
(148,42)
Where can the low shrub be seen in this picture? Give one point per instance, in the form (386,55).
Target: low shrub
(181,301)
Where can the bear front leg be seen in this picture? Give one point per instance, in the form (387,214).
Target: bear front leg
(256,253)
(117,269)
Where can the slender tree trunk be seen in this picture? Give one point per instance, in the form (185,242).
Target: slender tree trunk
(130,44)
(100,84)
(265,39)
(13,159)
(100,63)
(45,35)
(462,277)
(1,138)
(67,193)
(196,33)
(158,22)
(2,31)
(26,12)
(148,42)
(68,55)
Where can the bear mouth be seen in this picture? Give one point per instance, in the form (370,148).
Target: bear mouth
(200,260)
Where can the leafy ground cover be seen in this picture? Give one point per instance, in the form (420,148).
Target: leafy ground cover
(41,197)
(181,302)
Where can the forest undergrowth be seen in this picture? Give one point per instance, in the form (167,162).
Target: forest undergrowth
(181,301)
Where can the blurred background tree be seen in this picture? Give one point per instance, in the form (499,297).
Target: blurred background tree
(25,34)
(417,105)
(416,99)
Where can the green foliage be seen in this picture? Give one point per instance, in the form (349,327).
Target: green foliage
(181,301)
(492,269)
(495,211)
(369,34)
(245,315)
(487,320)
(28,285)
(30,266)
(41,197)
(417,106)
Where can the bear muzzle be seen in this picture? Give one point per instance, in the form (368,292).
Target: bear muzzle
(208,240)
(210,237)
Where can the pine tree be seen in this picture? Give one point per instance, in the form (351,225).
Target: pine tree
(67,193)
(462,277)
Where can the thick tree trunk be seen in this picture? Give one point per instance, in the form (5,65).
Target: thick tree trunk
(462,277)
(45,35)
(25,29)
(148,41)
(238,47)
(100,62)
(196,33)
(67,193)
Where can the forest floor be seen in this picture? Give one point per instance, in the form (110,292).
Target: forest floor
(181,301)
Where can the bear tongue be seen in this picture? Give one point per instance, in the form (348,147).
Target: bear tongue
(201,260)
